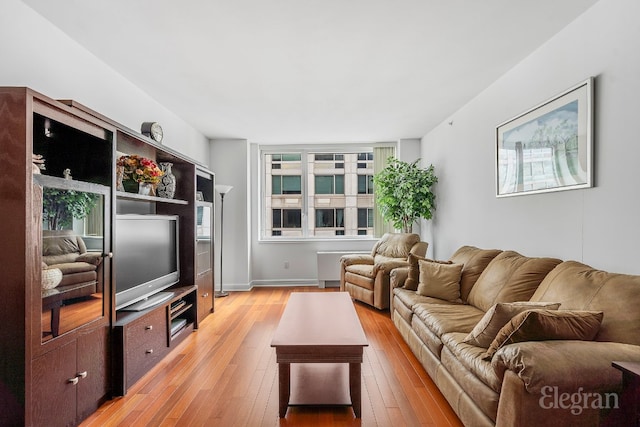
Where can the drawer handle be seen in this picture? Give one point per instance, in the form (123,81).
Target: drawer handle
(73,380)
(82,374)
(150,351)
(205,295)
(148,327)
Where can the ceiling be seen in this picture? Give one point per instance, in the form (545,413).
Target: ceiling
(281,71)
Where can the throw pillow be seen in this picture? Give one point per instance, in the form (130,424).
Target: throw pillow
(499,315)
(542,325)
(439,280)
(414,271)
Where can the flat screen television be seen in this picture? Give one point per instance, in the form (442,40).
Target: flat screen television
(146,259)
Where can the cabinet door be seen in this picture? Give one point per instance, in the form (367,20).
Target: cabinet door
(93,370)
(53,389)
(204,276)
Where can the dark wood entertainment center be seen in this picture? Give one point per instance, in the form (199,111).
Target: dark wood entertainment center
(59,377)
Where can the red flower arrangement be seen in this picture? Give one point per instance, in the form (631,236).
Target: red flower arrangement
(139,169)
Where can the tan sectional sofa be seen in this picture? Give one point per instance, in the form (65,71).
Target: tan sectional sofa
(553,360)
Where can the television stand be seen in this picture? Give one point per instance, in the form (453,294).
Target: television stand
(149,302)
(143,338)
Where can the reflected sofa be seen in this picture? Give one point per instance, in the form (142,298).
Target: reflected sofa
(66,251)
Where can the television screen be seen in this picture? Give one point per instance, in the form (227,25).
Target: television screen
(146,256)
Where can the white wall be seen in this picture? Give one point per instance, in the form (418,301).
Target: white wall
(597,226)
(229,161)
(38,55)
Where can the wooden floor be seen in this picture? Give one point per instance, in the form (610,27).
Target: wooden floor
(225,374)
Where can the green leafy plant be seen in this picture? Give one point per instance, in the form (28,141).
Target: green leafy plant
(59,207)
(403,193)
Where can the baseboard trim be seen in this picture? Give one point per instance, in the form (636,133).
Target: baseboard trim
(233,287)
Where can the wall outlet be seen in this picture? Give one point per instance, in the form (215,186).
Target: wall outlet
(286,264)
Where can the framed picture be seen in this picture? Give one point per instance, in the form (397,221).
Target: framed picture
(549,147)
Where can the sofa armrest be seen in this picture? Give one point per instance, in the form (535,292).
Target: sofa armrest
(566,364)
(94,258)
(398,276)
(352,259)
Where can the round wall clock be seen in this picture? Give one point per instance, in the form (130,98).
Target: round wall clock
(152,130)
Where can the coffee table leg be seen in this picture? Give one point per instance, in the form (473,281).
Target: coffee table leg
(354,388)
(55,319)
(284,386)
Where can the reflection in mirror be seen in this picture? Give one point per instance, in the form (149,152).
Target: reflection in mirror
(72,255)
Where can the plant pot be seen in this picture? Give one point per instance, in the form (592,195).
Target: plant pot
(130,186)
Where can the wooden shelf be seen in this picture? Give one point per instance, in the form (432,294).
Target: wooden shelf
(140,197)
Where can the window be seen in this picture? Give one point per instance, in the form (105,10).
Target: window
(365,184)
(285,219)
(316,193)
(329,184)
(282,184)
(365,160)
(365,221)
(365,218)
(329,218)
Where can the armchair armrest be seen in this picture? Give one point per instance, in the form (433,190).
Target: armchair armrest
(94,258)
(398,276)
(352,259)
(566,364)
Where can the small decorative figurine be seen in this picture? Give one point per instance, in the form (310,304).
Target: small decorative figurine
(67,173)
(38,163)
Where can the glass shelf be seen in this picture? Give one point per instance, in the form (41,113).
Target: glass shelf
(134,196)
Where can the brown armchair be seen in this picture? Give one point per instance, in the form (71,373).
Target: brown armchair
(66,251)
(366,277)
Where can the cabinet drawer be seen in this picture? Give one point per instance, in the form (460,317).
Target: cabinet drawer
(146,343)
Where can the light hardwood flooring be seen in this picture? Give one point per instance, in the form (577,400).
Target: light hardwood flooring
(225,374)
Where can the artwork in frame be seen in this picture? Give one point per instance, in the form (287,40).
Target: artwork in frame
(549,147)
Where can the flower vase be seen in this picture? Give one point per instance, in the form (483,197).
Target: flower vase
(167,184)
(146,189)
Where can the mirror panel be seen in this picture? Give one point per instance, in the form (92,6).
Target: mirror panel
(73,248)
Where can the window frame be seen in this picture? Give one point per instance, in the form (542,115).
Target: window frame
(305,151)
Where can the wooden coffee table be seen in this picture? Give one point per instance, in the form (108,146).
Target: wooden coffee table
(319,328)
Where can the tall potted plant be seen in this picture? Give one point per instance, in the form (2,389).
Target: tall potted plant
(404,193)
(59,207)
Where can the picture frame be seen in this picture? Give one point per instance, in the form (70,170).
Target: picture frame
(549,147)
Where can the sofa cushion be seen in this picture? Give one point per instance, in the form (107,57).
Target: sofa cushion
(471,357)
(439,280)
(76,278)
(580,287)
(510,277)
(427,337)
(413,277)
(499,315)
(440,318)
(404,300)
(482,395)
(359,280)
(75,267)
(475,260)
(396,245)
(544,325)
